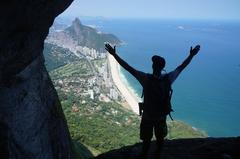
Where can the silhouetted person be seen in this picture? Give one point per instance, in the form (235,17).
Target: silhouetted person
(154,115)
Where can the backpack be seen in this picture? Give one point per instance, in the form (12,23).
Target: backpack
(157,94)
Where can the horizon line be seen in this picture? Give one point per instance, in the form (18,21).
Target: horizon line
(148,18)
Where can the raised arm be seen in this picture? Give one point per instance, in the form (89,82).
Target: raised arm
(125,65)
(193,52)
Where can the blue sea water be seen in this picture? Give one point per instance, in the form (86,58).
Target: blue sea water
(207,93)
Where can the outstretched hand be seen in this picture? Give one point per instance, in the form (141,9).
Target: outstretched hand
(195,50)
(110,49)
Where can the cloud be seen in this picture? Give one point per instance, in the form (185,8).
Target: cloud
(180,27)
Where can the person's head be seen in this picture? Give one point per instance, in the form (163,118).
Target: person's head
(158,63)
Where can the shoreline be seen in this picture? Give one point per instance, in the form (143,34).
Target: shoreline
(124,90)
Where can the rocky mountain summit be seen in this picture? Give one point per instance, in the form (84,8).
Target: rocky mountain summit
(204,148)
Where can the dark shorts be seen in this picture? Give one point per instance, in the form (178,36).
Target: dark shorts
(147,126)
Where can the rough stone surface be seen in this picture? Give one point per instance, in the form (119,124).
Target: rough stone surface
(32,123)
(204,148)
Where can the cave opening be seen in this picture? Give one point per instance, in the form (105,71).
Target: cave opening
(82,73)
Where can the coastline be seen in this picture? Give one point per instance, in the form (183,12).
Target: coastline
(128,95)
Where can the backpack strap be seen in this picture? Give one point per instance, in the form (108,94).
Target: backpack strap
(149,76)
(170,97)
(141,104)
(142,93)
(170,116)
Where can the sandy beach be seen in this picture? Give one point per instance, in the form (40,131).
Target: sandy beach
(128,95)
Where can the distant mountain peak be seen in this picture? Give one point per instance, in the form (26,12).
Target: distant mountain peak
(77,26)
(76,22)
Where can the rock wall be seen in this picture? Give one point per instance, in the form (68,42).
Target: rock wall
(32,123)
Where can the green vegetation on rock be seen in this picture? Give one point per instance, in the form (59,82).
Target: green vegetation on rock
(179,129)
(103,126)
(106,126)
(56,56)
(76,69)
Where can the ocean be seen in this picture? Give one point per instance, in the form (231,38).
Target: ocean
(207,93)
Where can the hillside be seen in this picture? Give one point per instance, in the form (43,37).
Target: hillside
(56,56)
(79,35)
(90,37)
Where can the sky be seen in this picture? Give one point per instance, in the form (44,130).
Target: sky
(163,9)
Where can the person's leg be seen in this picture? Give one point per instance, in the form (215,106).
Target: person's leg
(146,133)
(145,148)
(160,143)
(160,130)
